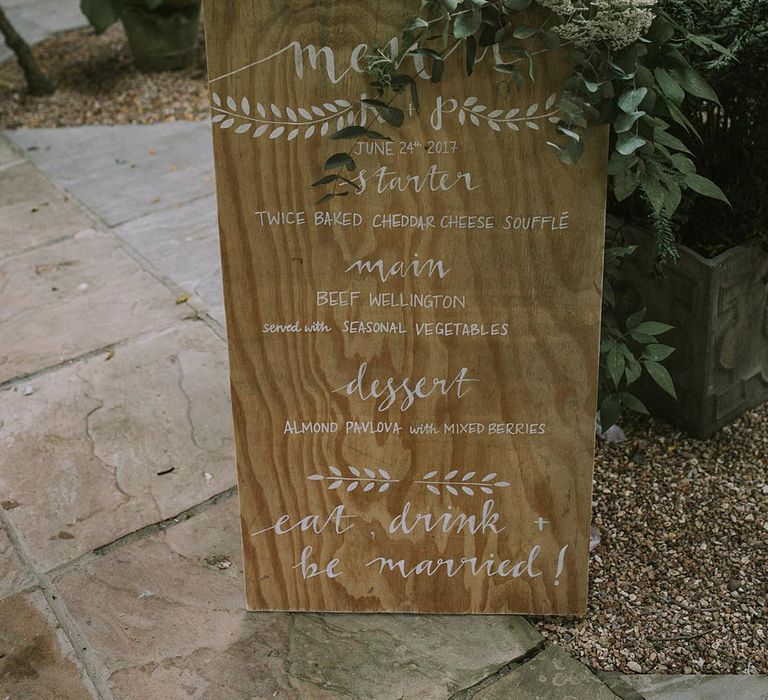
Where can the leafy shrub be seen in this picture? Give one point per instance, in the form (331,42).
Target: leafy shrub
(734,132)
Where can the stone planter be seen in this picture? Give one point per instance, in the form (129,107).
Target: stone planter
(719,308)
(165,38)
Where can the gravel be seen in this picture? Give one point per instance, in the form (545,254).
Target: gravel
(98,84)
(678,581)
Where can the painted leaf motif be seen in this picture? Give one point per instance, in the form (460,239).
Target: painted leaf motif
(502,484)
(494,126)
(433,489)
(291,114)
(474,119)
(216,118)
(462,117)
(216,99)
(231,103)
(496,113)
(309,133)
(551,101)
(260,131)
(293,134)
(513,126)
(352,486)
(319,112)
(340,123)
(335,470)
(354,471)
(512,113)
(489,477)
(532,109)
(243,128)
(383,488)
(227,123)
(470,101)
(276,111)
(485,489)
(304,113)
(468,490)
(324,129)
(369,486)
(245,106)
(468,476)
(451,490)
(277,132)
(330,107)
(343,103)
(369,472)
(532,125)
(479,108)
(316,477)
(385,474)
(335,485)
(451,474)
(429,475)
(260,109)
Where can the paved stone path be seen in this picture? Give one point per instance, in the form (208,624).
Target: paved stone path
(120,564)
(36,20)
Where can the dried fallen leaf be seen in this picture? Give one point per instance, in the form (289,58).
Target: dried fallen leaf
(182,298)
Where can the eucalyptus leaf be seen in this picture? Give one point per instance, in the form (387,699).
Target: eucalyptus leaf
(628,143)
(630,100)
(339,160)
(467,23)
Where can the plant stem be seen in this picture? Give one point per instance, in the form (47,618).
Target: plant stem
(38,83)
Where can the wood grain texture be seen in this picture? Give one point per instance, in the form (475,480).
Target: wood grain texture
(545,284)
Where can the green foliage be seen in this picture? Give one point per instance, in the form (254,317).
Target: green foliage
(733,132)
(639,89)
(629,347)
(635,79)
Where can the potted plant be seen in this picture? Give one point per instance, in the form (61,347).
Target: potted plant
(715,293)
(162,34)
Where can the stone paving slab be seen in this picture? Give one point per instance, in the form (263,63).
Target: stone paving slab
(168,612)
(124,172)
(37,661)
(36,20)
(14,576)
(7,154)
(657,687)
(550,675)
(32,211)
(182,245)
(66,299)
(83,455)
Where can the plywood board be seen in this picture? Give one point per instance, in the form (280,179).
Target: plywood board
(413,366)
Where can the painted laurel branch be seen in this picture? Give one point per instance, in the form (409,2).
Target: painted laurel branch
(467,483)
(275,122)
(367,479)
(477,113)
(259,119)
(379,480)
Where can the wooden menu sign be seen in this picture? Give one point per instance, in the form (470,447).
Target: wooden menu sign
(414,366)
